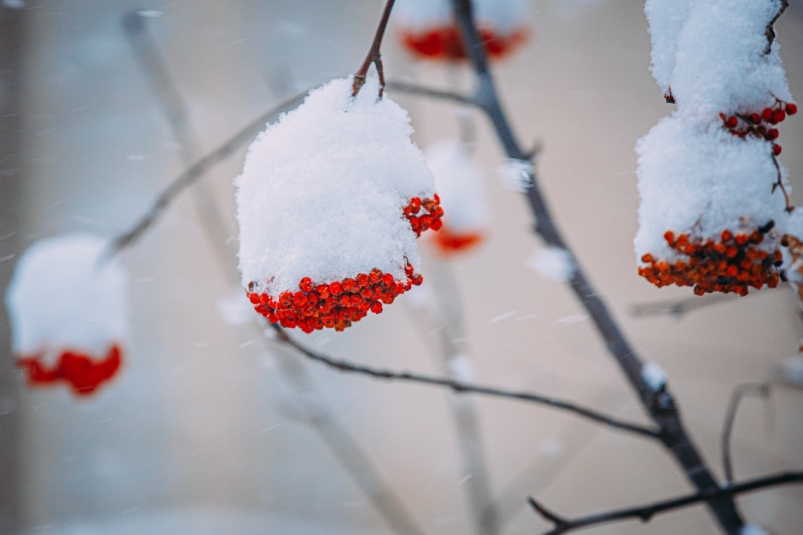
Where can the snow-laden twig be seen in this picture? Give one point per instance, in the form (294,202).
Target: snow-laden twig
(659,405)
(646,512)
(463,387)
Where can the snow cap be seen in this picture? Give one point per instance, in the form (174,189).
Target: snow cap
(322,191)
(62,297)
(458,181)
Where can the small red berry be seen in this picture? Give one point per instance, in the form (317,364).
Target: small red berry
(376,307)
(776,149)
(362,280)
(336,288)
(726,235)
(772,133)
(387,280)
(732,122)
(348,284)
(791,108)
(778,116)
(305,284)
(766,114)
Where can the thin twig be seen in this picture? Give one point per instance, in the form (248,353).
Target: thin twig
(762,390)
(660,405)
(461,387)
(422,91)
(646,512)
(680,307)
(374,56)
(188,177)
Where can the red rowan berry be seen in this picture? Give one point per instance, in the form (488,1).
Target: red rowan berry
(305,284)
(336,288)
(362,280)
(791,108)
(767,114)
(776,149)
(376,307)
(779,115)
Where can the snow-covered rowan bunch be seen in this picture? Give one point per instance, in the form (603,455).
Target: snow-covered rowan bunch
(330,203)
(714,201)
(68,313)
(459,182)
(427,29)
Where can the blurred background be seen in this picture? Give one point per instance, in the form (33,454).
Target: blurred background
(213,428)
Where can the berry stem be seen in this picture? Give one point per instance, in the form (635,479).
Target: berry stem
(374,56)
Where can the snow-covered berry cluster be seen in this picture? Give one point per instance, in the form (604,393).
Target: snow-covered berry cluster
(427,29)
(330,203)
(68,313)
(714,202)
(458,180)
(335,305)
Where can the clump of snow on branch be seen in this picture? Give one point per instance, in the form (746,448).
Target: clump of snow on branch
(322,191)
(654,376)
(427,28)
(516,174)
(68,312)
(63,295)
(553,263)
(713,195)
(458,181)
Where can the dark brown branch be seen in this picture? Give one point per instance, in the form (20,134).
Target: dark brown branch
(463,388)
(374,56)
(660,405)
(646,512)
(188,177)
(762,390)
(770,31)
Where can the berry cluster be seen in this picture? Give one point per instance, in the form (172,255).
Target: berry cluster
(729,265)
(80,371)
(429,220)
(449,242)
(760,124)
(446,43)
(337,304)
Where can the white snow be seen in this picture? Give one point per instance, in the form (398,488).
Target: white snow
(710,53)
(653,375)
(553,263)
(699,177)
(322,191)
(694,176)
(752,529)
(515,174)
(461,369)
(458,181)
(62,297)
(504,16)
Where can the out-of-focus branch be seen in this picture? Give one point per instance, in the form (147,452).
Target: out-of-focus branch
(461,387)
(422,91)
(761,390)
(646,512)
(196,171)
(680,307)
(660,404)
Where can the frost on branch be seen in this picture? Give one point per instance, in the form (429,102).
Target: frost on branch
(713,196)
(459,182)
(68,313)
(427,29)
(330,202)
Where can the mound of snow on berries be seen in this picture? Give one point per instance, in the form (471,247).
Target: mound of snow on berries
(711,54)
(701,179)
(501,15)
(458,181)
(322,191)
(62,296)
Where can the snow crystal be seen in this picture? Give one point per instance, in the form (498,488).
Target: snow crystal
(63,297)
(710,54)
(553,263)
(501,15)
(458,181)
(701,178)
(322,191)
(515,174)
(653,375)
(461,369)
(752,529)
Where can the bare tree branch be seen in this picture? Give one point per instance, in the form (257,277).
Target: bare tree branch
(374,56)
(761,390)
(422,91)
(660,405)
(646,512)
(461,387)
(196,171)
(679,307)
